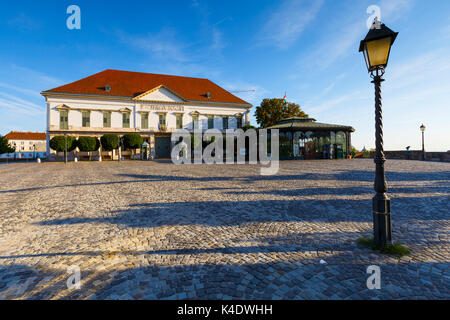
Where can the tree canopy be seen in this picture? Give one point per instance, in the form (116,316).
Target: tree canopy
(87,144)
(272,111)
(132,140)
(110,141)
(58,143)
(5,147)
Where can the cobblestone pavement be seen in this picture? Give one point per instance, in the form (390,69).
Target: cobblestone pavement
(147,230)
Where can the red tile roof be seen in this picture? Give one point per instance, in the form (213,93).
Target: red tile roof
(14,135)
(131,84)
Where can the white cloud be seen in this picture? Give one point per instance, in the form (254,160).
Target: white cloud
(342,41)
(392,10)
(161,45)
(286,24)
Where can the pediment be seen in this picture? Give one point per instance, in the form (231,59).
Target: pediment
(160,93)
(63,107)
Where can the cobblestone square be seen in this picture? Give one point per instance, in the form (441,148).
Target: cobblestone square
(153,230)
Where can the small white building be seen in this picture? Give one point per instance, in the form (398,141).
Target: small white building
(26,145)
(152,105)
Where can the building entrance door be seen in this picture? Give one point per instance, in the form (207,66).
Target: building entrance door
(162,147)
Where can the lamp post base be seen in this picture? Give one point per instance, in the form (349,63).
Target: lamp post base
(382,232)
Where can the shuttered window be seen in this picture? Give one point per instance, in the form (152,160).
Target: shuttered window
(210,122)
(144,120)
(195,121)
(86,119)
(107,119)
(225,123)
(179,121)
(64,119)
(126,120)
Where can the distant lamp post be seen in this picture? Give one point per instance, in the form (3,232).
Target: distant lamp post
(422,128)
(376,47)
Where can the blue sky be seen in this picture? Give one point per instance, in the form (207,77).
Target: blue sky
(308,49)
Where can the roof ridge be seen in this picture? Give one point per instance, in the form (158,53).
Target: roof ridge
(155,74)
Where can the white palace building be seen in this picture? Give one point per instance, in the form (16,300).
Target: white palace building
(152,105)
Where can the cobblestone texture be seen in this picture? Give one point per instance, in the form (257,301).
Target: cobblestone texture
(147,230)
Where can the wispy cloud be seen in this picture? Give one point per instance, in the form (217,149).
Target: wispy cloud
(161,45)
(286,23)
(24,23)
(342,41)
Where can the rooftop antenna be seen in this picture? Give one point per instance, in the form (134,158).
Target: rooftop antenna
(239,91)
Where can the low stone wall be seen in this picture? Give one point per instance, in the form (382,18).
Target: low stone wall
(415,155)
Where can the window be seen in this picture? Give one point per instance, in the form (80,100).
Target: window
(126,120)
(64,119)
(210,122)
(179,121)
(144,120)
(239,121)
(107,119)
(162,121)
(86,119)
(195,121)
(225,122)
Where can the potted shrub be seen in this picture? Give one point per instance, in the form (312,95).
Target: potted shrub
(58,143)
(88,144)
(132,141)
(110,142)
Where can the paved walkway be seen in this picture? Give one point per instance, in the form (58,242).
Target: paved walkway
(146,230)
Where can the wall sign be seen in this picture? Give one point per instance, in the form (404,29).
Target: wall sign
(162,108)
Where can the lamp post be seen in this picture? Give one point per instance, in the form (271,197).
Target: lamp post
(376,47)
(120,148)
(65,148)
(422,128)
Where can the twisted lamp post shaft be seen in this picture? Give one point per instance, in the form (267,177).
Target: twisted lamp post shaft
(381,204)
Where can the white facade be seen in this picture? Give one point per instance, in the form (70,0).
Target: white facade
(156,102)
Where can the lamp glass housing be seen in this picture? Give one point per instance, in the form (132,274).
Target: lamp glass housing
(422,128)
(376,53)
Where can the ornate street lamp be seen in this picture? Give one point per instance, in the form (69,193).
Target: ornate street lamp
(376,47)
(422,128)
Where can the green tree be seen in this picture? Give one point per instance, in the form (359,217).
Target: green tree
(272,111)
(110,141)
(88,144)
(5,147)
(58,143)
(247,127)
(132,141)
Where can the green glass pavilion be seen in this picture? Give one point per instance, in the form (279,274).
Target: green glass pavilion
(304,138)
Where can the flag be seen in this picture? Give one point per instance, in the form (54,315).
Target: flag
(284,98)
